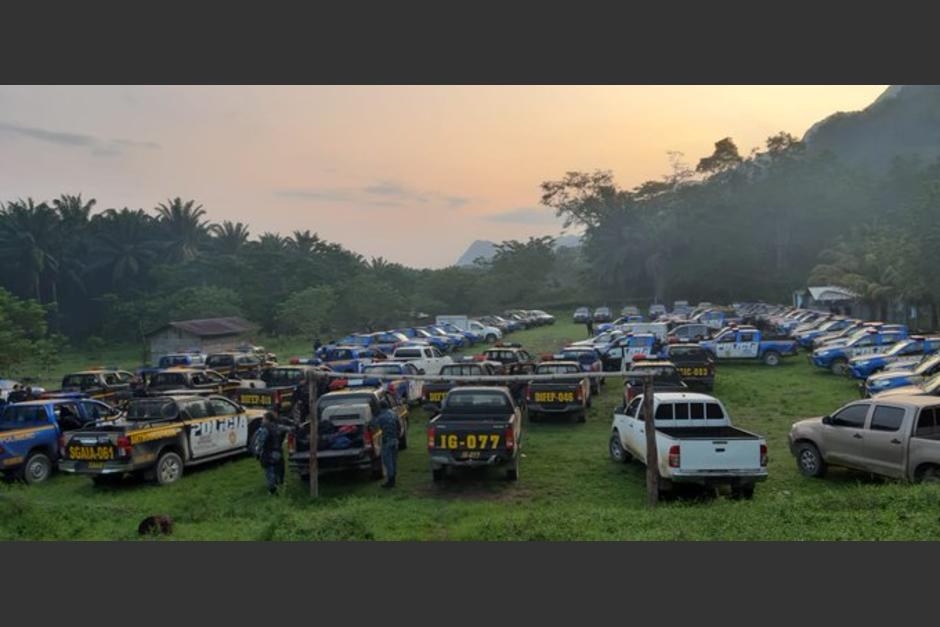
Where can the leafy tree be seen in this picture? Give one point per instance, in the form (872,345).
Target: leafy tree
(308,312)
(22,327)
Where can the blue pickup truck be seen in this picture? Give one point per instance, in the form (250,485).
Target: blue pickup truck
(866,341)
(748,343)
(29,432)
(805,339)
(342,358)
(892,378)
(421,335)
(864,366)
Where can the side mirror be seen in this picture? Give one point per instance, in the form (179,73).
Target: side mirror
(827,420)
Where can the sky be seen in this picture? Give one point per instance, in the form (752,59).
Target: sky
(413,174)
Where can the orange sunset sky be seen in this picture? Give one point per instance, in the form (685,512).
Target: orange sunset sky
(412,174)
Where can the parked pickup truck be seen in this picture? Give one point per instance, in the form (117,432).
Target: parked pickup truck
(805,338)
(427,359)
(185,379)
(864,366)
(695,442)
(895,436)
(433,392)
(867,341)
(104,384)
(477,426)
(559,397)
(748,343)
(408,390)
(282,387)
(695,365)
(29,432)
(892,378)
(158,437)
(346,438)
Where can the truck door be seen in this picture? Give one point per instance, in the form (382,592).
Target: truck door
(864,346)
(628,427)
(746,346)
(844,437)
(884,447)
(724,345)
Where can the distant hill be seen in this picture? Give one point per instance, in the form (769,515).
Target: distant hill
(487,249)
(903,121)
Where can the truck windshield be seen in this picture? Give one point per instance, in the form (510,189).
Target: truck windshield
(408,353)
(220,360)
(80,381)
(168,379)
(482,404)
(900,348)
(278,377)
(462,370)
(156,409)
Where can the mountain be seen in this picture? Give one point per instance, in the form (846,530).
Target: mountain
(903,121)
(487,249)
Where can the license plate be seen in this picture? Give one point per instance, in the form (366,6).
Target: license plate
(554,397)
(255,399)
(471,441)
(91,453)
(693,372)
(436,396)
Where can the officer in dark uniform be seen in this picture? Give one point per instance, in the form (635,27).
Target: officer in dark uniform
(590,327)
(270,450)
(387,421)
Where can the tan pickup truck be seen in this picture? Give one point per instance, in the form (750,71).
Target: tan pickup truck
(896,436)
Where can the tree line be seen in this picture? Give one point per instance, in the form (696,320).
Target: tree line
(115,274)
(758,227)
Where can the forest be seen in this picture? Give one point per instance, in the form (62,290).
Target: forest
(731,228)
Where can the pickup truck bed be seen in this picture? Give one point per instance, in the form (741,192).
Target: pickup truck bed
(710,433)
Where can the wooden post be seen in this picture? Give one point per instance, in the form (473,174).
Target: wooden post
(652,455)
(313,388)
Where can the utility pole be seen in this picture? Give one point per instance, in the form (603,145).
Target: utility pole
(313,387)
(652,455)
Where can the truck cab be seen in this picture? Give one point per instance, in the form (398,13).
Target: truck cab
(748,343)
(181,379)
(433,392)
(105,384)
(29,432)
(426,358)
(867,341)
(407,390)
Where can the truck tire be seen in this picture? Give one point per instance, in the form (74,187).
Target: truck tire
(169,468)
(742,491)
(839,366)
(772,358)
(37,468)
(930,474)
(439,473)
(809,460)
(616,450)
(512,473)
(580,416)
(490,338)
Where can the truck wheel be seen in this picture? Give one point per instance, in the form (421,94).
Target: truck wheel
(439,473)
(252,438)
(617,452)
(581,416)
(37,468)
(772,358)
(809,460)
(931,474)
(512,473)
(490,338)
(839,367)
(742,491)
(169,468)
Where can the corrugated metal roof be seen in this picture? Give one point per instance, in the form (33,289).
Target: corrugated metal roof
(210,327)
(831,293)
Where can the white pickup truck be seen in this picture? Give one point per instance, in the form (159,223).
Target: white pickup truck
(426,358)
(695,441)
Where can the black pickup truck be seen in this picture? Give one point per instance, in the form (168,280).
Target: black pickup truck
(104,384)
(158,437)
(433,392)
(559,397)
(696,365)
(666,378)
(514,358)
(285,390)
(346,439)
(182,380)
(477,426)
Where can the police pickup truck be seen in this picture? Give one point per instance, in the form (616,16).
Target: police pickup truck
(104,384)
(695,442)
(29,432)
(748,343)
(866,341)
(235,365)
(478,426)
(695,364)
(187,380)
(514,358)
(158,437)
(571,396)
(909,350)
(346,438)
(407,390)
(892,378)
(433,392)
(281,387)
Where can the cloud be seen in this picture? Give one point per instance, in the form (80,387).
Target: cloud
(523,215)
(99,147)
(379,194)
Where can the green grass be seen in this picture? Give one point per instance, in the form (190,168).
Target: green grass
(568,488)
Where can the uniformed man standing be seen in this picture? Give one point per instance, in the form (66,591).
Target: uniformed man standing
(387,421)
(269,448)
(590,327)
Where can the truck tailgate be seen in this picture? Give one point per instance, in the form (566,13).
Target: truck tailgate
(706,449)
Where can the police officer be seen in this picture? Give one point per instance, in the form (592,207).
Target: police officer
(590,327)
(270,450)
(17,395)
(387,421)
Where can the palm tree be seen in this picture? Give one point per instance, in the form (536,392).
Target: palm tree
(28,234)
(304,242)
(184,228)
(229,237)
(272,242)
(124,243)
(73,234)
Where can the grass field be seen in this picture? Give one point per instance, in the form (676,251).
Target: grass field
(568,488)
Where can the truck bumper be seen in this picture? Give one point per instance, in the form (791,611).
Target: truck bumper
(449,460)
(333,460)
(718,477)
(541,408)
(105,468)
